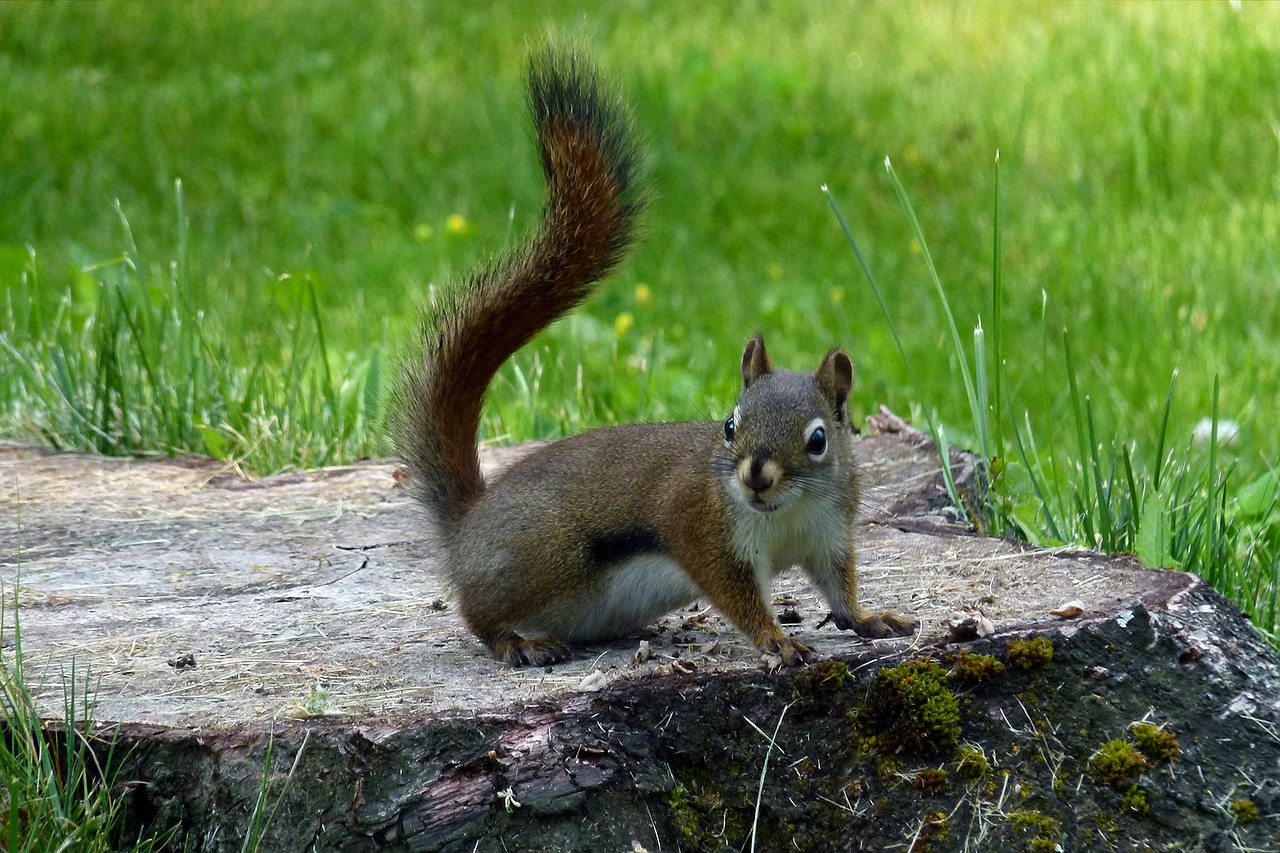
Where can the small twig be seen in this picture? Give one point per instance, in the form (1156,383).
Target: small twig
(363,563)
(1264,725)
(654,824)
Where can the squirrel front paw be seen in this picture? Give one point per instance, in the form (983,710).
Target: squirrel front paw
(887,623)
(790,650)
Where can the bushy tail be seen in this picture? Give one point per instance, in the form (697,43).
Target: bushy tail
(593,199)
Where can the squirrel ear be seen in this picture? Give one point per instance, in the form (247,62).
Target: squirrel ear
(835,377)
(755,361)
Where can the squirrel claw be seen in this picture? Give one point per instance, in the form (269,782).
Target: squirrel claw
(515,650)
(791,651)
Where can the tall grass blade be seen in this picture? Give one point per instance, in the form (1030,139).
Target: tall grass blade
(942,295)
(1102,506)
(260,819)
(875,288)
(980,372)
(1163,434)
(997,314)
(935,430)
(314,304)
(1077,412)
(1034,473)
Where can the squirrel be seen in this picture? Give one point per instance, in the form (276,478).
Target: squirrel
(598,534)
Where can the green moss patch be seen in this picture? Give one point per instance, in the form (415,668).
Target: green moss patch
(1157,744)
(971,762)
(972,668)
(931,780)
(912,709)
(1135,800)
(1030,654)
(1117,762)
(1246,811)
(1040,831)
(825,675)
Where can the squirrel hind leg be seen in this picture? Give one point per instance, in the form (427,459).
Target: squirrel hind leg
(515,650)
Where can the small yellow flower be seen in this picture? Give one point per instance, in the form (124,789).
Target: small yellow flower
(837,295)
(623,323)
(915,247)
(643,295)
(457,224)
(911,155)
(423,231)
(775,271)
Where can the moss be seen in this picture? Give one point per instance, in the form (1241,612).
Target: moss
(937,825)
(1117,762)
(1041,831)
(912,709)
(888,767)
(931,780)
(702,820)
(1246,811)
(684,816)
(971,762)
(1029,819)
(972,668)
(825,675)
(1155,743)
(933,827)
(1032,653)
(1135,800)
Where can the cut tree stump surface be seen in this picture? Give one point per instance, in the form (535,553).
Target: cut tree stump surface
(197,598)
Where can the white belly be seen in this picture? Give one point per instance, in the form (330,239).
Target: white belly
(636,593)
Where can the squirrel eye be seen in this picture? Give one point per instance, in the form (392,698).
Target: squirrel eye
(728,429)
(817,444)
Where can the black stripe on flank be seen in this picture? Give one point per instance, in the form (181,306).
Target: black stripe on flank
(613,548)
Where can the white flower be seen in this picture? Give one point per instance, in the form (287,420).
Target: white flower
(1228,432)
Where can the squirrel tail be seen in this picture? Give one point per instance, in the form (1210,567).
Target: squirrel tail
(593,199)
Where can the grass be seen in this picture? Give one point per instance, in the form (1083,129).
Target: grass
(1175,511)
(215,230)
(216,225)
(329,153)
(144,368)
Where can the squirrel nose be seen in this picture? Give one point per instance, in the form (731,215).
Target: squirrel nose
(758,474)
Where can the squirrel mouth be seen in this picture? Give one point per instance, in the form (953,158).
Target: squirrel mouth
(760,505)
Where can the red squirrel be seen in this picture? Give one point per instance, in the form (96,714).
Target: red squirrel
(599,534)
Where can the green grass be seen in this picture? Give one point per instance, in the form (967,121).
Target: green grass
(339,161)
(58,786)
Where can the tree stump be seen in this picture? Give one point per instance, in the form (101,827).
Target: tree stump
(301,619)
